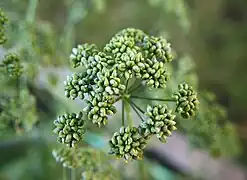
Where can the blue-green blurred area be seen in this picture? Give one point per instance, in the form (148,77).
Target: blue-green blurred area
(212,33)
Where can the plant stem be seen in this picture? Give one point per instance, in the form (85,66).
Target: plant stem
(128,112)
(123,113)
(134,89)
(31,11)
(17,98)
(64,173)
(118,98)
(137,107)
(126,86)
(133,107)
(152,99)
(72,174)
(142,169)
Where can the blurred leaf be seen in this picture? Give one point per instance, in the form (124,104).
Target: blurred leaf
(16,148)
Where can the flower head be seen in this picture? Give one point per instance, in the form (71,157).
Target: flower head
(3,22)
(68,157)
(127,144)
(159,122)
(69,128)
(12,64)
(186,100)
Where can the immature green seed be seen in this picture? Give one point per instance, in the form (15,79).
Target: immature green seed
(186,100)
(69,128)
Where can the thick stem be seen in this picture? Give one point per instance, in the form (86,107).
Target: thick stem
(153,99)
(128,112)
(123,118)
(31,11)
(64,173)
(143,172)
(73,174)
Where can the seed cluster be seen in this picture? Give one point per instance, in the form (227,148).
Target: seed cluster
(12,65)
(76,86)
(159,122)
(3,22)
(90,159)
(127,143)
(186,100)
(69,128)
(68,157)
(130,55)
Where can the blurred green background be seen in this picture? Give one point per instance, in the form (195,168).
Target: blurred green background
(212,33)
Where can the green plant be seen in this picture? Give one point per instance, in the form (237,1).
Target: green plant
(124,75)
(18,111)
(131,60)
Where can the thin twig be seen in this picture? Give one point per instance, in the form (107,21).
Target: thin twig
(137,107)
(134,89)
(133,107)
(126,86)
(152,99)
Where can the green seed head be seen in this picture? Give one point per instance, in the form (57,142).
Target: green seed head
(186,100)
(69,128)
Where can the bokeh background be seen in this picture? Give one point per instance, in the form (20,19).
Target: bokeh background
(211,35)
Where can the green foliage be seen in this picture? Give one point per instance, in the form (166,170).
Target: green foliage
(212,125)
(130,56)
(18,109)
(130,61)
(20,113)
(214,119)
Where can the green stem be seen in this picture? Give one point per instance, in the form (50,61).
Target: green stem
(128,112)
(73,174)
(18,103)
(137,107)
(143,171)
(64,173)
(134,89)
(18,87)
(126,86)
(133,107)
(118,98)
(123,112)
(2,65)
(31,11)
(153,99)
